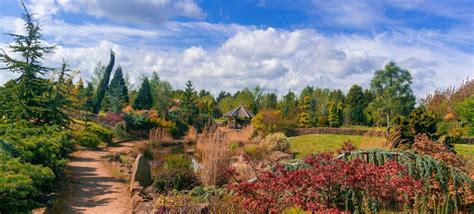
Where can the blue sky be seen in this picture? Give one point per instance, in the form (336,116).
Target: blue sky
(279,45)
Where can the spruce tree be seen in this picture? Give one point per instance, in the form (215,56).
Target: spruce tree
(118,88)
(103,84)
(144,98)
(189,101)
(30,96)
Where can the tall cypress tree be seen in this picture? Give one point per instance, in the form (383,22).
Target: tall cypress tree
(103,84)
(118,87)
(144,98)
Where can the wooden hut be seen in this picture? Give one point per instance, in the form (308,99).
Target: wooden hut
(238,117)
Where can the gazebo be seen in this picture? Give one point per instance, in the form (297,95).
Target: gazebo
(238,117)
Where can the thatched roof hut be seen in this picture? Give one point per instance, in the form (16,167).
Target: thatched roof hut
(239,111)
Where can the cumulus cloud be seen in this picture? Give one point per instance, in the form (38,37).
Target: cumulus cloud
(280,60)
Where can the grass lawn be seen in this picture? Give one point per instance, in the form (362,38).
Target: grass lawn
(315,143)
(466,150)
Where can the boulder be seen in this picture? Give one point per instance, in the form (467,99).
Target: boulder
(278,156)
(141,172)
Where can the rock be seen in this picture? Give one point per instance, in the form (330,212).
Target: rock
(141,172)
(278,156)
(41,210)
(140,205)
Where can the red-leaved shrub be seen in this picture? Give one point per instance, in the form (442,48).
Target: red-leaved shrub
(329,185)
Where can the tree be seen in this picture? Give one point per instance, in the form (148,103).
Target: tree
(103,84)
(393,94)
(118,87)
(162,94)
(30,97)
(144,98)
(306,117)
(88,97)
(269,101)
(288,105)
(355,105)
(335,114)
(188,99)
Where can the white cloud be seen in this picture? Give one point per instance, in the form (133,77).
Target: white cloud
(130,11)
(281,60)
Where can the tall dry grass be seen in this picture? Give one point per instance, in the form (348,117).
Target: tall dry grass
(160,135)
(213,146)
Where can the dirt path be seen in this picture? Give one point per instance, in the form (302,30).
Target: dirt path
(94,189)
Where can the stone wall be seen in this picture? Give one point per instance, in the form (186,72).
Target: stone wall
(340,131)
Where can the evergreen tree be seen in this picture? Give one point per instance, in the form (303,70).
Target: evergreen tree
(31,97)
(103,85)
(88,100)
(144,98)
(393,94)
(355,104)
(118,88)
(162,94)
(189,101)
(335,114)
(288,105)
(305,119)
(269,101)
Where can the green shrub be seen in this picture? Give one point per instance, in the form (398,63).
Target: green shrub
(422,121)
(277,142)
(258,151)
(176,173)
(120,131)
(103,133)
(21,184)
(39,144)
(86,139)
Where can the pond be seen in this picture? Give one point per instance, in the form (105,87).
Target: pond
(161,151)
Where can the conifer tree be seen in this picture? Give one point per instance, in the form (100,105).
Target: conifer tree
(103,85)
(189,101)
(30,96)
(88,97)
(335,114)
(118,87)
(144,98)
(355,105)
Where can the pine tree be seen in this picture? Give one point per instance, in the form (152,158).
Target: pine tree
(305,117)
(118,88)
(31,97)
(144,98)
(103,85)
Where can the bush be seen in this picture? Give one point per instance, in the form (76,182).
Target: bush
(39,144)
(120,131)
(22,184)
(330,185)
(422,121)
(103,133)
(277,142)
(176,173)
(86,139)
(270,121)
(257,151)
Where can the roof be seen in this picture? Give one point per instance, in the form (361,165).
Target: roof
(240,111)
